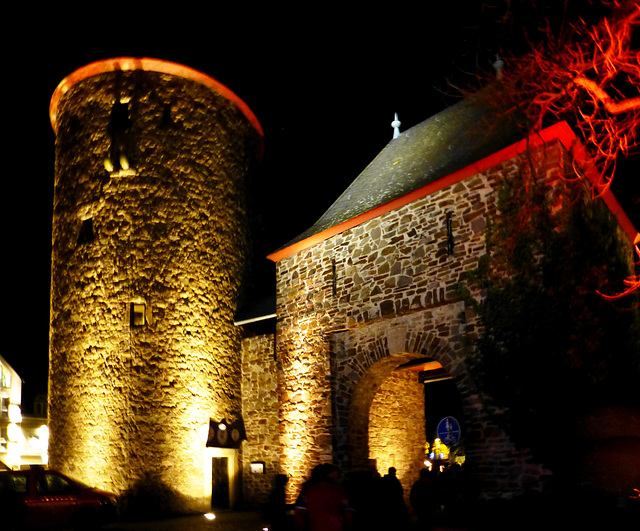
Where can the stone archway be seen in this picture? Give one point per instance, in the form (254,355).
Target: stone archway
(363,397)
(363,358)
(397,426)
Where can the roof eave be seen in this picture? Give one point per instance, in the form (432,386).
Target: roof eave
(561,132)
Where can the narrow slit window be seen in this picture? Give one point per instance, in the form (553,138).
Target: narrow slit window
(334,278)
(450,241)
(167,121)
(138,314)
(86,234)
(120,133)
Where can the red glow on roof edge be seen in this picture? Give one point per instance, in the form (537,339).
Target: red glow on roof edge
(560,131)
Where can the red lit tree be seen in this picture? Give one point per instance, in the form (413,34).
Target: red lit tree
(588,75)
(551,348)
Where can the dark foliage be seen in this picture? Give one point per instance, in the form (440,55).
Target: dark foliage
(552,347)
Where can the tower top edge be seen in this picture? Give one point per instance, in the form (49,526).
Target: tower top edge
(150,65)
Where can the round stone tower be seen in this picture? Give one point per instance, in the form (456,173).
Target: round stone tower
(149,250)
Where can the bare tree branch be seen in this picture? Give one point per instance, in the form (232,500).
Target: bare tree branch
(588,76)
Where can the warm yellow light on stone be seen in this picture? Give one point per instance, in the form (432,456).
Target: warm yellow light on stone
(204,432)
(143,348)
(396,426)
(305,434)
(13,459)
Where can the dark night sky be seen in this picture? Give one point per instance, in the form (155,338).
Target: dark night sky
(324,85)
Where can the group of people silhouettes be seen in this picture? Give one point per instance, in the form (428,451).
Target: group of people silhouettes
(363,500)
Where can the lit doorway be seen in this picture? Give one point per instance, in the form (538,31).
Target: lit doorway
(220,483)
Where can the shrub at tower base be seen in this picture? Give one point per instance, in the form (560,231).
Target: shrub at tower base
(552,349)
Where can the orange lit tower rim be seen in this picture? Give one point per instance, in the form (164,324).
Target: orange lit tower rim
(149,65)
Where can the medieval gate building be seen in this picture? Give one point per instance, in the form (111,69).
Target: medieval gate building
(372,286)
(148,257)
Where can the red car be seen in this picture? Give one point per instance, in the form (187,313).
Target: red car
(40,499)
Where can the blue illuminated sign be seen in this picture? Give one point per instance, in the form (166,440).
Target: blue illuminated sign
(449,431)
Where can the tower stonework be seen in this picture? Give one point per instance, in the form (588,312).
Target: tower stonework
(148,254)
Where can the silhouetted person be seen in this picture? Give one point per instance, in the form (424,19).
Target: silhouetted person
(424,500)
(391,510)
(397,515)
(392,481)
(301,512)
(323,502)
(453,489)
(361,486)
(276,507)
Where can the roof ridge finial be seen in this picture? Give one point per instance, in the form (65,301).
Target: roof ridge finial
(396,125)
(498,65)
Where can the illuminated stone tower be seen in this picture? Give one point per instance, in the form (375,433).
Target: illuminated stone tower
(149,247)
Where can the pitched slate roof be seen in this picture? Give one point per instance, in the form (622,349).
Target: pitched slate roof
(448,141)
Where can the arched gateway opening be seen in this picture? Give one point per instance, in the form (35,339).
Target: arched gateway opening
(395,410)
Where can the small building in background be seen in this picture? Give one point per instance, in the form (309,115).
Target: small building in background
(23,439)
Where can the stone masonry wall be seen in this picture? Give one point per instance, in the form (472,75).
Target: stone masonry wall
(260,411)
(364,357)
(149,209)
(396,426)
(388,288)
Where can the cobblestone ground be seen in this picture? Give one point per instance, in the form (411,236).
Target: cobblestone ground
(224,521)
